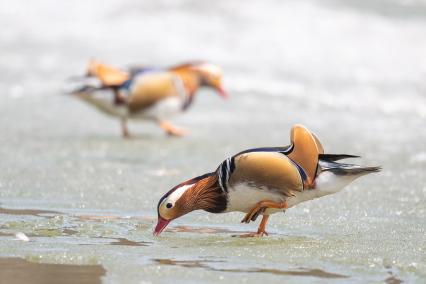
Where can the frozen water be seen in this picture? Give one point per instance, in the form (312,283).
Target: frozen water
(352,71)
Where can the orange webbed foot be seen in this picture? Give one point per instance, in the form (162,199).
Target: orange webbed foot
(172,130)
(253,214)
(252,235)
(261,207)
(261,231)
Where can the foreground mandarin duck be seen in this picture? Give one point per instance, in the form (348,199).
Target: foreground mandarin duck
(263,181)
(148,93)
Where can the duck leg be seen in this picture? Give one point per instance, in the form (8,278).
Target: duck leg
(261,231)
(119,97)
(124,128)
(262,206)
(172,130)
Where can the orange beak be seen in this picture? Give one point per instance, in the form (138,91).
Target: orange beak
(222,92)
(161,225)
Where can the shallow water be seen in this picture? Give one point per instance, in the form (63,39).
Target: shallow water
(351,71)
(17,270)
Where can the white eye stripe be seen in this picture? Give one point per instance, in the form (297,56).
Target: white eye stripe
(175,195)
(211,69)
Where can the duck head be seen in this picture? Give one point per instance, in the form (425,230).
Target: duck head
(211,76)
(200,193)
(206,74)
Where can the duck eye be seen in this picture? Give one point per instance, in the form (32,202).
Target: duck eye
(169,205)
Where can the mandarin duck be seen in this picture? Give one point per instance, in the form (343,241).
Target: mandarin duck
(263,181)
(148,93)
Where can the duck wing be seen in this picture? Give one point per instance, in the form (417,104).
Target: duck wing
(149,88)
(265,170)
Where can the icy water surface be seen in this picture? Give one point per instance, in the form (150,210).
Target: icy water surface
(352,71)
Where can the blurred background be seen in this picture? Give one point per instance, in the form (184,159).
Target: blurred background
(352,71)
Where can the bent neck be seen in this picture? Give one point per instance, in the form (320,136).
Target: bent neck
(206,195)
(191,79)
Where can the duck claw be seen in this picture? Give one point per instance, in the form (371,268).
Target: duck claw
(255,215)
(252,215)
(251,235)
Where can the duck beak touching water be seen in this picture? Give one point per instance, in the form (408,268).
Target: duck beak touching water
(161,225)
(263,181)
(154,94)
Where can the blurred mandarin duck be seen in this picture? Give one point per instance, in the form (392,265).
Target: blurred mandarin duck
(263,181)
(148,93)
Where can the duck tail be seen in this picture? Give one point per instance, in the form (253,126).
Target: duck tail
(335,157)
(82,84)
(352,170)
(362,170)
